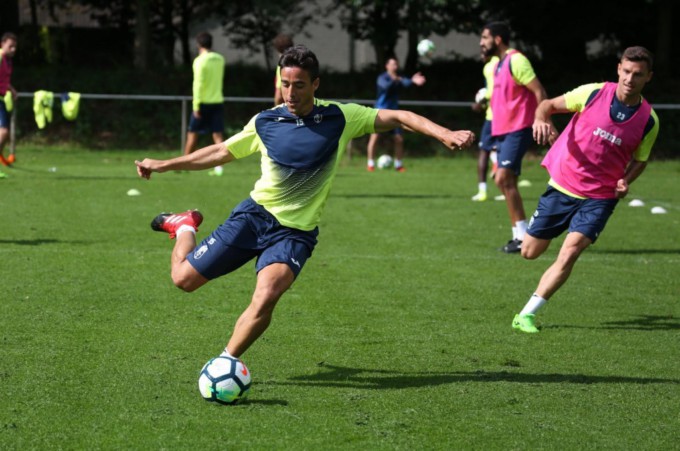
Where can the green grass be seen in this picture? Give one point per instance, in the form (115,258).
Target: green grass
(396,335)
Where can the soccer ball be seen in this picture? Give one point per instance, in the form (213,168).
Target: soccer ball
(224,380)
(480,97)
(426,47)
(384,162)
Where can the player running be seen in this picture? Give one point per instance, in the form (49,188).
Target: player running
(8,48)
(301,143)
(591,164)
(487,144)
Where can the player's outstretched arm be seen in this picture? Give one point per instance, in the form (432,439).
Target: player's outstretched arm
(633,171)
(205,158)
(391,119)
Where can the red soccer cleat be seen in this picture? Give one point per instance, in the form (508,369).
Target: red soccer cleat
(11,159)
(170,222)
(4,161)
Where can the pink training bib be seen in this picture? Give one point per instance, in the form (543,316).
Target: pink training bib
(513,105)
(592,153)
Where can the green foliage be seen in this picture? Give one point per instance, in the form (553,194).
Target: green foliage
(395,336)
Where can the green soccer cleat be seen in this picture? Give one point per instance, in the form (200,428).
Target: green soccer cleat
(525,323)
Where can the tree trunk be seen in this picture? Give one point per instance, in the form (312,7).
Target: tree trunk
(142,35)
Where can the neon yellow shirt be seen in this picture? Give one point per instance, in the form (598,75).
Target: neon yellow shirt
(522,71)
(488,78)
(300,156)
(208,78)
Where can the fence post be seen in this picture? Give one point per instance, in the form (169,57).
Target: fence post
(184,126)
(12,131)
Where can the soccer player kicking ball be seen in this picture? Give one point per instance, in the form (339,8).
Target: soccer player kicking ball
(591,164)
(301,143)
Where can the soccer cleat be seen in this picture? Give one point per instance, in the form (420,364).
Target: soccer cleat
(525,323)
(479,197)
(170,222)
(512,246)
(11,158)
(217,170)
(370,168)
(4,161)
(400,169)
(499,197)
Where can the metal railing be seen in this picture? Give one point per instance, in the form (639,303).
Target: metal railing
(186,99)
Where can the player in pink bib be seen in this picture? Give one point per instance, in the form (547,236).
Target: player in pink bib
(592,163)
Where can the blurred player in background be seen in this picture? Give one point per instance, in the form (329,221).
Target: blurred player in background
(281,43)
(389,84)
(516,93)
(487,145)
(8,48)
(301,144)
(208,101)
(591,164)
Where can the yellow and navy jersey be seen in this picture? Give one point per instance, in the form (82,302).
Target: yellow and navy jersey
(577,99)
(208,70)
(520,67)
(488,72)
(300,156)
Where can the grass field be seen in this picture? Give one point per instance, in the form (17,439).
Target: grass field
(396,335)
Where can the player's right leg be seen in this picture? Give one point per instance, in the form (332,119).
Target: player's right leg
(370,152)
(482,168)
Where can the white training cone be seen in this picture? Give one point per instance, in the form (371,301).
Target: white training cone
(658,211)
(636,203)
(133,192)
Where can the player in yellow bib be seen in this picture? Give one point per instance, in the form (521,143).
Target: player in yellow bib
(300,143)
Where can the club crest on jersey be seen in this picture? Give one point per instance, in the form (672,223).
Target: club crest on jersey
(200,252)
(318,118)
(608,136)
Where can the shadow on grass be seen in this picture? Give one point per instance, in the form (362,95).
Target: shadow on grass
(642,322)
(337,376)
(40,241)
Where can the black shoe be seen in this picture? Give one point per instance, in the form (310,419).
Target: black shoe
(512,246)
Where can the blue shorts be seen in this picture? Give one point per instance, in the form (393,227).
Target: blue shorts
(4,115)
(249,232)
(557,212)
(486,141)
(211,121)
(512,147)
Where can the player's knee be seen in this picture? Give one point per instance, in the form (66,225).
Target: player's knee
(184,281)
(530,253)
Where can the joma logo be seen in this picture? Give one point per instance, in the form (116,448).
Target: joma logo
(608,136)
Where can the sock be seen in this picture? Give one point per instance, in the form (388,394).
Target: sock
(398,164)
(482,187)
(226,353)
(535,303)
(521,227)
(371,162)
(185,228)
(493,156)
(514,233)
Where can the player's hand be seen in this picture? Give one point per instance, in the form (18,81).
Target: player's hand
(418,79)
(621,189)
(544,132)
(459,139)
(146,167)
(197,114)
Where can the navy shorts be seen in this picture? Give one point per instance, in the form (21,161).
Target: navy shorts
(557,212)
(4,115)
(512,147)
(249,232)
(486,141)
(211,121)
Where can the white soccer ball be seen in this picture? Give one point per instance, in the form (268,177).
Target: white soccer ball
(384,162)
(426,47)
(480,97)
(224,380)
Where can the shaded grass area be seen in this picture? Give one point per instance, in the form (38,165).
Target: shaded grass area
(396,335)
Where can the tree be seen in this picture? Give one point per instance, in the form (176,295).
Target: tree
(253,24)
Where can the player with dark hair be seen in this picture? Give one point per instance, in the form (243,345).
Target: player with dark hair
(8,48)
(486,142)
(301,144)
(389,84)
(516,93)
(208,101)
(591,164)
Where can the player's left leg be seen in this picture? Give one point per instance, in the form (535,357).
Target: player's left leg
(398,150)
(4,138)
(217,138)
(482,168)
(272,282)
(370,152)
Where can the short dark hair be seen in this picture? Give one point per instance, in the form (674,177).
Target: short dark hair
(501,29)
(300,56)
(282,42)
(9,35)
(204,39)
(638,54)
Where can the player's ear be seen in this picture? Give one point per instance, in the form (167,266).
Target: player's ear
(316,83)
